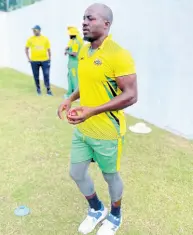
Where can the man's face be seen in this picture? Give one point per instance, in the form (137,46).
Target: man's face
(94,26)
(36,32)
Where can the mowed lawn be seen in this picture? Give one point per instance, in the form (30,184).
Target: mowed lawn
(157,170)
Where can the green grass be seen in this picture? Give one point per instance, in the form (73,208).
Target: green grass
(157,170)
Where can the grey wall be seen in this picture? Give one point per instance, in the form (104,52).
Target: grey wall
(159,34)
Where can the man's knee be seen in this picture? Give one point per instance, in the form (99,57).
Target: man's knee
(46,74)
(46,68)
(115,184)
(112,177)
(75,174)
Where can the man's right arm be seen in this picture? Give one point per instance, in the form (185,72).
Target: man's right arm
(75,95)
(66,104)
(27,53)
(27,49)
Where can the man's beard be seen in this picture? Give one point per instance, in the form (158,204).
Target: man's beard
(88,39)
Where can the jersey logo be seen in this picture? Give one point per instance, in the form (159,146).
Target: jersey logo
(82,58)
(98,62)
(39,47)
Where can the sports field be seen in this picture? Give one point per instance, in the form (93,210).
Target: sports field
(157,170)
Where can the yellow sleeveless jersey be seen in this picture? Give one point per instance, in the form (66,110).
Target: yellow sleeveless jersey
(97,84)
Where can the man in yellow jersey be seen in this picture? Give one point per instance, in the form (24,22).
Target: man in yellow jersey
(107,85)
(40,56)
(72,51)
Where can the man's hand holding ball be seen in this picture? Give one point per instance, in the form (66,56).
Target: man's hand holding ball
(79,114)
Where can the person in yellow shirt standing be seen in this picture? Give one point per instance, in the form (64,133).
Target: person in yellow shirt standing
(72,51)
(39,55)
(107,85)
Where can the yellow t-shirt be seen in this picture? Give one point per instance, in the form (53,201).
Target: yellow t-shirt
(39,46)
(97,83)
(74,45)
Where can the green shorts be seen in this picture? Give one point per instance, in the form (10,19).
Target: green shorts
(107,153)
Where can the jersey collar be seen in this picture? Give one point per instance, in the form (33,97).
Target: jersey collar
(109,37)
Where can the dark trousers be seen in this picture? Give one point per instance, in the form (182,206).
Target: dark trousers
(45,65)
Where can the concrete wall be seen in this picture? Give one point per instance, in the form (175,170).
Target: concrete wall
(54,26)
(158,34)
(4,57)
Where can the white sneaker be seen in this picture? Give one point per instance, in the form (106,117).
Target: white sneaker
(110,225)
(92,219)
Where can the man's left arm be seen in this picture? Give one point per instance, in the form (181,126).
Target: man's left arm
(49,54)
(75,49)
(74,54)
(49,49)
(128,85)
(124,71)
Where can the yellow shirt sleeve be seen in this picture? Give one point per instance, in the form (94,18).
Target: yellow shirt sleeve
(47,44)
(69,43)
(28,43)
(123,64)
(75,47)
